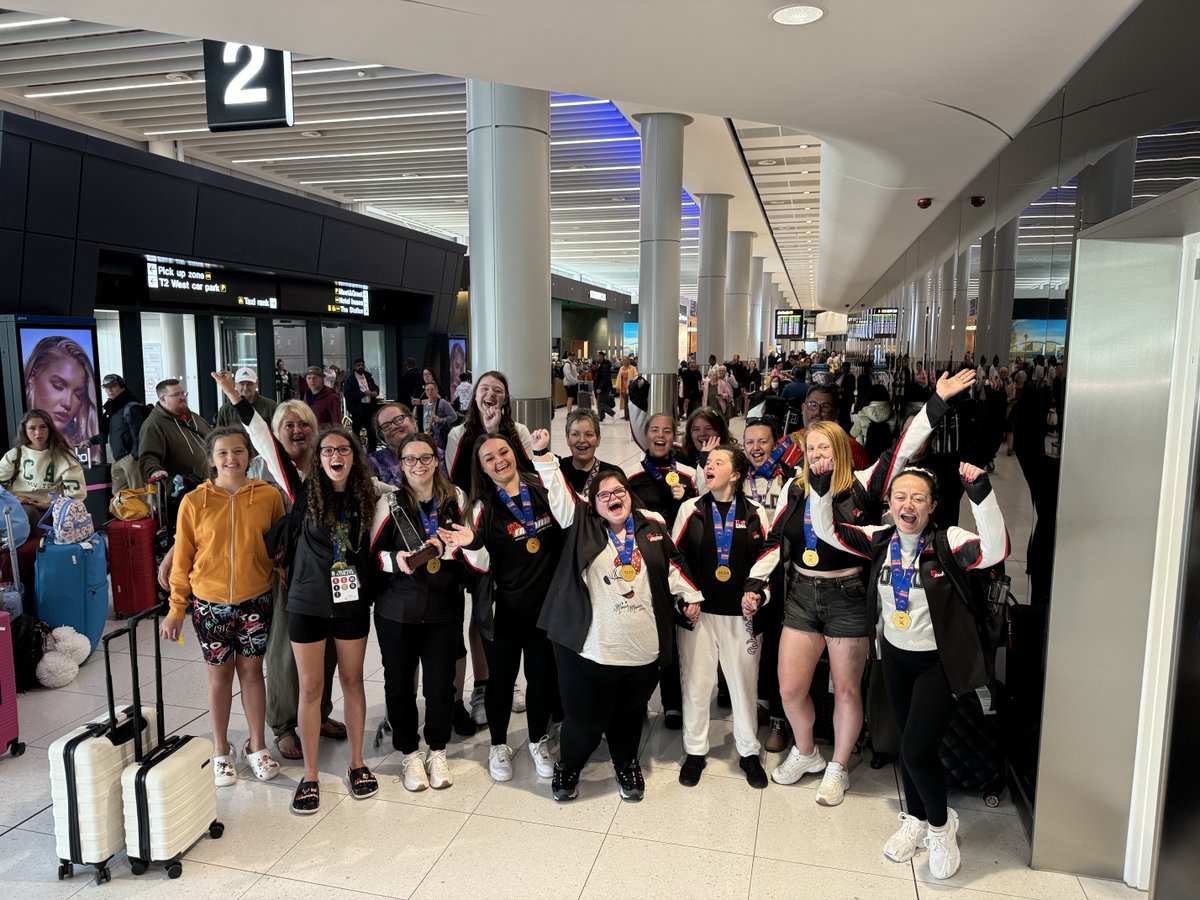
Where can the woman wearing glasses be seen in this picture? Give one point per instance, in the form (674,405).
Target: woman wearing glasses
(609,615)
(419,611)
(331,581)
(518,540)
(394,423)
(826,605)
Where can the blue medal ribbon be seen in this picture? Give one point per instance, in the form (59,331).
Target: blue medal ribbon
(625,548)
(524,515)
(771,466)
(902,578)
(724,534)
(429,522)
(810,536)
(654,471)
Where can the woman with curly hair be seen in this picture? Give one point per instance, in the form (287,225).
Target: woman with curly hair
(59,378)
(327,595)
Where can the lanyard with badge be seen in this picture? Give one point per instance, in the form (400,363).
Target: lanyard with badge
(524,516)
(902,579)
(724,538)
(343,576)
(627,569)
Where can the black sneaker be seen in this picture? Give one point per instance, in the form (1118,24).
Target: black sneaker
(464,725)
(673,720)
(723,700)
(755,776)
(565,784)
(689,775)
(630,781)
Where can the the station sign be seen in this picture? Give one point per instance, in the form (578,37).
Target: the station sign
(247,87)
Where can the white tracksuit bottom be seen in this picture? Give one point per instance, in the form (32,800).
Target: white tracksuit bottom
(730,641)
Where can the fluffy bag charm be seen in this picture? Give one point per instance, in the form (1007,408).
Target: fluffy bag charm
(60,664)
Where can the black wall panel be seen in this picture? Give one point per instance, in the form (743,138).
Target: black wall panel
(14,180)
(128,206)
(53,200)
(12,252)
(47,271)
(256,232)
(357,253)
(423,268)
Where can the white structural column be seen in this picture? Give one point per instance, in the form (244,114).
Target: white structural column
(508,162)
(945,311)
(658,264)
(987,250)
(962,284)
(767,333)
(1004,285)
(754,328)
(737,295)
(710,298)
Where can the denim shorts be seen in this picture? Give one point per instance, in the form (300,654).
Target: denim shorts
(834,607)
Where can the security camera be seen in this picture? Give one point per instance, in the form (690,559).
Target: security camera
(925,202)
(978,200)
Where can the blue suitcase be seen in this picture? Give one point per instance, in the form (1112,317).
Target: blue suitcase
(71,586)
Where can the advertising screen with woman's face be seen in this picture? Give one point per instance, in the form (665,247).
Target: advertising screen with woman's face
(60,377)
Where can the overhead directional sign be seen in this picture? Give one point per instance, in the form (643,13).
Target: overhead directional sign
(247,87)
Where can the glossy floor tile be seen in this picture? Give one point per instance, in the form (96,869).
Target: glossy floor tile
(478,838)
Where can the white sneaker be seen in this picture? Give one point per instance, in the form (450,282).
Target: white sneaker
(413,767)
(478,710)
(796,765)
(518,705)
(833,785)
(540,751)
(500,763)
(903,845)
(944,858)
(438,770)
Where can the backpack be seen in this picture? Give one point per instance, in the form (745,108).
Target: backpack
(15,517)
(132,503)
(29,638)
(878,438)
(987,594)
(67,521)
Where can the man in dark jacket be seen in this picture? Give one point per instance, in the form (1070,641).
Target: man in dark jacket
(602,385)
(411,383)
(121,420)
(360,392)
(171,441)
(326,404)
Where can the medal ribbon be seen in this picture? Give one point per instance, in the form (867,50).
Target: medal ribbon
(902,578)
(624,549)
(524,515)
(810,536)
(429,522)
(592,474)
(654,471)
(767,470)
(724,535)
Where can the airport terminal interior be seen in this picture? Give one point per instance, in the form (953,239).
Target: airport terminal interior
(490,211)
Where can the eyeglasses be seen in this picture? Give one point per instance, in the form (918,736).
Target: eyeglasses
(180,394)
(614,494)
(394,424)
(424,459)
(331,452)
(813,406)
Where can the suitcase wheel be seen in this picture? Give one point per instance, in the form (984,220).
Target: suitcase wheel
(879,760)
(215,830)
(991,800)
(15,747)
(103,874)
(65,870)
(137,866)
(175,869)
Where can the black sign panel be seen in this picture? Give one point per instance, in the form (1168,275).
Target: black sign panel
(247,87)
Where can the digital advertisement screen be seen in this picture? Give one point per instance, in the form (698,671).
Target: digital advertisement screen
(630,338)
(1034,337)
(59,363)
(458,360)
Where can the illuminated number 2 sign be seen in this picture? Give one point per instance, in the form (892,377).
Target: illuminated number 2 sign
(247,87)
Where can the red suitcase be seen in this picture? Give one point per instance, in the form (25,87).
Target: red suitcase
(131,562)
(8,691)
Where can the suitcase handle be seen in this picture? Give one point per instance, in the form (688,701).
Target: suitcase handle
(154,612)
(108,682)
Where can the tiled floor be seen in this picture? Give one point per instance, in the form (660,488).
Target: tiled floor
(720,839)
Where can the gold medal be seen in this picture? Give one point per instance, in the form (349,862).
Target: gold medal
(628,572)
(434,565)
(671,478)
(724,573)
(533,545)
(811,557)
(901,619)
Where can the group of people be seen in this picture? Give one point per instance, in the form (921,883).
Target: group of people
(715,562)
(605,381)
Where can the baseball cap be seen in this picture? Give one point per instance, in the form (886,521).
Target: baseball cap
(111,380)
(315,370)
(245,374)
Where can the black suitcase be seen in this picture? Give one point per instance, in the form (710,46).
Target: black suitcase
(973,749)
(883,735)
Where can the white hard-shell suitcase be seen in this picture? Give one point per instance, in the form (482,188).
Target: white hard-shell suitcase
(168,792)
(86,765)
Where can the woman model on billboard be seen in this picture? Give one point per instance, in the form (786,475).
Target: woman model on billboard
(60,379)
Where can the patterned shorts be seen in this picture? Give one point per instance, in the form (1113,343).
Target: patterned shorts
(228,628)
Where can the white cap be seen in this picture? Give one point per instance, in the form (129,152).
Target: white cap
(245,374)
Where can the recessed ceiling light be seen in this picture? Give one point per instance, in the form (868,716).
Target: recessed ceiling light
(310,134)
(768,162)
(617,199)
(178,76)
(797,14)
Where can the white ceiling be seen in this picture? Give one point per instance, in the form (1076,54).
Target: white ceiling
(908,100)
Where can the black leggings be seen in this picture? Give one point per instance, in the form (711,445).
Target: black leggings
(436,646)
(601,700)
(768,664)
(514,635)
(924,706)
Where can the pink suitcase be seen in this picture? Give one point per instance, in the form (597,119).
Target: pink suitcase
(8,690)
